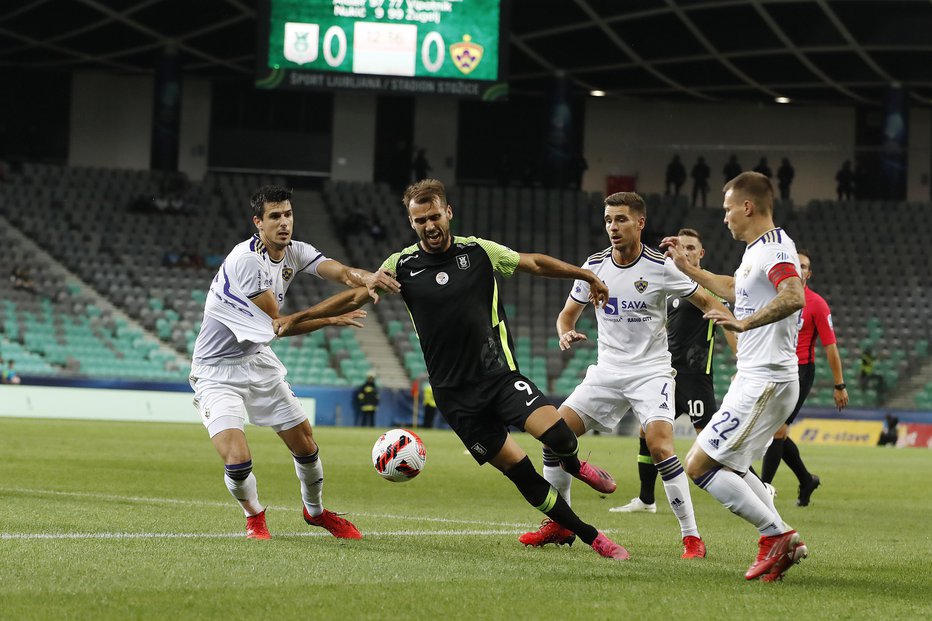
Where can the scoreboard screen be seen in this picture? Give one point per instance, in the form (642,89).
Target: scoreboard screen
(450,47)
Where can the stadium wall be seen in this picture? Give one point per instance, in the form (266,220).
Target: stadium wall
(353,154)
(435,125)
(639,138)
(111,120)
(918,186)
(195,127)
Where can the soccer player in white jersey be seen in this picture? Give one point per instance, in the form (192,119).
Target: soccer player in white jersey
(767,294)
(236,375)
(634,369)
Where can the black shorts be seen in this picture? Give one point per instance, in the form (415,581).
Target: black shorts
(806,377)
(695,397)
(480,413)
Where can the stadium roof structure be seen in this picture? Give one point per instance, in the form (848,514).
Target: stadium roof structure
(839,51)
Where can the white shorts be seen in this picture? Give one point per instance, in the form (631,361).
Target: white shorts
(254,386)
(751,413)
(606,395)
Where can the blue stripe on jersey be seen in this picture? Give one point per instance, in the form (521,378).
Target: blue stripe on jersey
(226,287)
(319,255)
(653,260)
(602,254)
(578,301)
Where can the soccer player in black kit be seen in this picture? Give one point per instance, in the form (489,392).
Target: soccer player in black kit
(691,340)
(449,286)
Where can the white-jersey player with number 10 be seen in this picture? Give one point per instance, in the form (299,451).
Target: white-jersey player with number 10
(634,369)
(767,295)
(236,375)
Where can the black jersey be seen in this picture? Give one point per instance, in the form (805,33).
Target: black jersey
(457,312)
(690,337)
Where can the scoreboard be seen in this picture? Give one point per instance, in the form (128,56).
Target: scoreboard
(407,46)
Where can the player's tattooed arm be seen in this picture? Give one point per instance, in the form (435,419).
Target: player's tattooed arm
(790,298)
(719,284)
(545,265)
(334,307)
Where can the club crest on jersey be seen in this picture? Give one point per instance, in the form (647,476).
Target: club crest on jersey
(640,285)
(287,273)
(462,261)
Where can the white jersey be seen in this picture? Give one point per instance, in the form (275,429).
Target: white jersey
(632,325)
(768,352)
(233,325)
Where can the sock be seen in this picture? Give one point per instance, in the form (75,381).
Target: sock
(757,486)
(547,500)
(562,441)
(310,473)
(676,485)
(559,478)
(647,472)
(794,461)
(772,460)
(737,496)
(242,485)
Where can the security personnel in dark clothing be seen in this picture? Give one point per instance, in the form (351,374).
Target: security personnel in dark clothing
(367,400)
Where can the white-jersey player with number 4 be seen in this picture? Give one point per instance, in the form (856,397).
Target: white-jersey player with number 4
(634,368)
(236,375)
(767,295)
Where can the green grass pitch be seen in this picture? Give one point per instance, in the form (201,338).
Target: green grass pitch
(132,521)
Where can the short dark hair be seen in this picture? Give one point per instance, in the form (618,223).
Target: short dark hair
(753,186)
(268,194)
(425,191)
(690,233)
(803,251)
(632,200)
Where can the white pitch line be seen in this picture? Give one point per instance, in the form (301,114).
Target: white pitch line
(367,534)
(212,503)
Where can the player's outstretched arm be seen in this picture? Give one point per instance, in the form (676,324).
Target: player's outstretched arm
(566,324)
(719,284)
(545,265)
(704,301)
(381,281)
(339,306)
(834,362)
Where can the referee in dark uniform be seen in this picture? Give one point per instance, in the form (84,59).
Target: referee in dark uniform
(450,288)
(691,341)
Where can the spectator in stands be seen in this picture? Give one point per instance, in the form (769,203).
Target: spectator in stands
(815,320)
(376,228)
(235,374)
(367,402)
(421,166)
(845,179)
(785,176)
(732,168)
(580,166)
(868,377)
(763,168)
(700,175)
(676,176)
(430,406)
(10,376)
(19,277)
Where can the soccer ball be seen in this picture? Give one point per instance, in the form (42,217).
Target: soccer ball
(399,455)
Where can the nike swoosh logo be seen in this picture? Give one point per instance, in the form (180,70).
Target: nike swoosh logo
(413,273)
(532,400)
